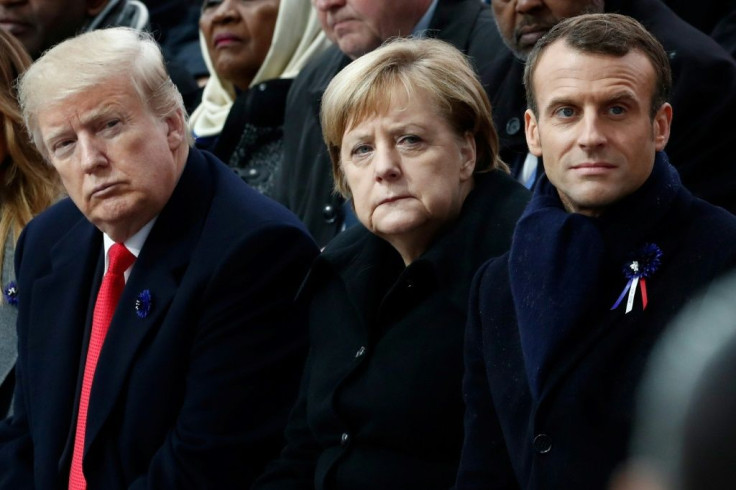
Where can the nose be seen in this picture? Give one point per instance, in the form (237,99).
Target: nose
(524,6)
(224,12)
(91,154)
(325,5)
(386,165)
(592,133)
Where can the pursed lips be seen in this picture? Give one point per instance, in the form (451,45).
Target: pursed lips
(391,199)
(100,189)
(225,38)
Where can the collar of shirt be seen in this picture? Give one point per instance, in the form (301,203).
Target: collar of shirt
(134,244)
(423,24)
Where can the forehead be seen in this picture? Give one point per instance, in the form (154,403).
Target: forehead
(388,11)
(102,98)
(563,70)
(397,102)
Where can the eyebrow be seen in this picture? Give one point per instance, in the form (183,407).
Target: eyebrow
(621,95)
(87,119)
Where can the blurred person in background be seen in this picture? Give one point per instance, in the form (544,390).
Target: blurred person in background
(254,50)
(28,186)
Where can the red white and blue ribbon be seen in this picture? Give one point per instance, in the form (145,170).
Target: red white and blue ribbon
(646,263)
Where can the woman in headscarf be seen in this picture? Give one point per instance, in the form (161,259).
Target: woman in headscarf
(254,50)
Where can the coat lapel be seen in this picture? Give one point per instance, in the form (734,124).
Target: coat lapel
(59,314)
(159,269)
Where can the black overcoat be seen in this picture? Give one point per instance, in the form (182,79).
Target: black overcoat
(573,433)
(380,404)
(191,391)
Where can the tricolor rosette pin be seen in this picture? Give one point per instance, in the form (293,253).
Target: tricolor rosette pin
(646,263)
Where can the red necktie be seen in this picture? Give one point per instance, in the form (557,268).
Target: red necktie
(107,299)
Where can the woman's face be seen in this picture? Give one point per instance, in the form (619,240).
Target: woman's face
(238,35)
(408,171)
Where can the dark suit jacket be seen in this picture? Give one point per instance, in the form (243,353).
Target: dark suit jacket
(196,393)
(703,101)
(576,431)
(305,184)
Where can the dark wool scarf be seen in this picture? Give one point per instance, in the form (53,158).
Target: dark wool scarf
(558,259)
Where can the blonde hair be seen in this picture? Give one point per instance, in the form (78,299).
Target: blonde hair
(430,66)
(93,58)
(29,185)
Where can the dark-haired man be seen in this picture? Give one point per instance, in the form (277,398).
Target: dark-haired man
(703,95)
(610,247)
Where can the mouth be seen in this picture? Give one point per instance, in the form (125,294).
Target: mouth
(101,191)
(226,39)
(13,26)
(593,168)
(527,36)
(393,199)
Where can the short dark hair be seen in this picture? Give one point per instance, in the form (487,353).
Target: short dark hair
(606,34)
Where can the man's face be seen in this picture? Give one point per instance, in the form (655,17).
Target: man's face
(594,128)
(522,22)
(40,24)
(360,26)
(117,161)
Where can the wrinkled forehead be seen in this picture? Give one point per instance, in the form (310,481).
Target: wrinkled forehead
(396,94)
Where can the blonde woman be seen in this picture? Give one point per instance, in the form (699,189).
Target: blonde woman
(28,186)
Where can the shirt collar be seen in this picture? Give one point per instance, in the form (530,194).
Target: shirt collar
(423,24)
(134,243)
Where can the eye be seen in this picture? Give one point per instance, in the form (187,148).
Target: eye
(410,140)
(617,110)
(207,4)
(360,149)
(565,112)
(62,147)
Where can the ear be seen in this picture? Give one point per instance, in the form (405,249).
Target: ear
(94,7)
(175,130)
(661,126)
(532,133)
(468,155)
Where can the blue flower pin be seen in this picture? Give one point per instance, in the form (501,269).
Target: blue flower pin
(10,291)
(642,266)
(143,303)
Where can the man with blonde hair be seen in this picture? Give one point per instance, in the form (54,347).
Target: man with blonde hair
(159,346)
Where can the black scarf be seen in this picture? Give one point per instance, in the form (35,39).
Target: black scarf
(558,259)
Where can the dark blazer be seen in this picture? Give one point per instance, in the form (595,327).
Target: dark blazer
(194,394)
(574,434)
(703,101)
(380,405)
(305,185)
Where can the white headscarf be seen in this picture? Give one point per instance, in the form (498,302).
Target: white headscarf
(297,36)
